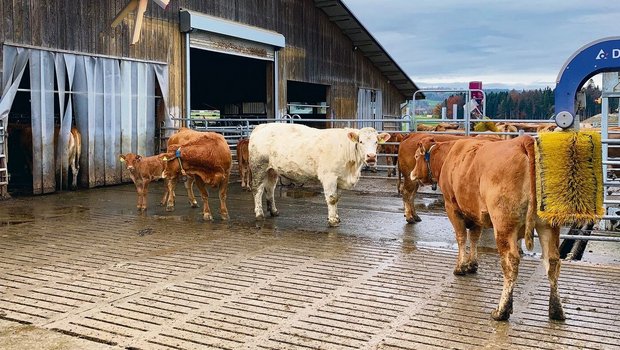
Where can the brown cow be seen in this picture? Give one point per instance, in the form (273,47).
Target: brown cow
(506,128)
(478,194)
(207,157)
(406,163)
(243,160)
(144,170)
(391,148)
(23,134)
(177,139)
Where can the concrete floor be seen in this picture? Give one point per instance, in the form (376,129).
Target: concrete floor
(82,270)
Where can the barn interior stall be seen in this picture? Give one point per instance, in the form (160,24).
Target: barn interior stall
(308,101)
(227,86)
(111,102)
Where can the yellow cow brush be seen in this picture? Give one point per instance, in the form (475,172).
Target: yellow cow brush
(569,177)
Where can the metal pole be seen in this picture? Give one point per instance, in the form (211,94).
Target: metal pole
(605,133)
(276,88)
(188,105)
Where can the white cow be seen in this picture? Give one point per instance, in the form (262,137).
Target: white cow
(302,154)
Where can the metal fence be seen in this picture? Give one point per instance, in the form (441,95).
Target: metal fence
(234,129)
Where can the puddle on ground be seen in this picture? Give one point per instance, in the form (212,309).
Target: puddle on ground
(22,215)
(301,193)
(172,217)
(429,203)
(10,222)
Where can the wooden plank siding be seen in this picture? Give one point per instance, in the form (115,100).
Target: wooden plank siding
(316,49)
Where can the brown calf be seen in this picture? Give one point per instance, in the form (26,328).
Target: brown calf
(143,170)
(243,160)
(478,194)
(391,148)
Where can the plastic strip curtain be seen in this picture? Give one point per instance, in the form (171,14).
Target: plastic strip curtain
(14,62)
(111,100)
(42,121)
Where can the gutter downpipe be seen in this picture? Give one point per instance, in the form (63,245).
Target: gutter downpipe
(187,81)
(276,83)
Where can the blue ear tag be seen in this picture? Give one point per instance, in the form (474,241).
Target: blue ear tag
(178,152)
(427,156)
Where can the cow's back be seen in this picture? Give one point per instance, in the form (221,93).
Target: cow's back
(183,136)
(297,151)
(483,176)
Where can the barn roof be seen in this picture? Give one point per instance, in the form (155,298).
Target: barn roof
(340,14)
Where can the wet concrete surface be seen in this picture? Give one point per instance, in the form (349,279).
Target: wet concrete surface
(86,265)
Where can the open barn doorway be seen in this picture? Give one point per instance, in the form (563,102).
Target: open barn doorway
(21,136)
(226,89)
(19,132)
(308,101)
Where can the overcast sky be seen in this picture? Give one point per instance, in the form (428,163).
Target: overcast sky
(514,44)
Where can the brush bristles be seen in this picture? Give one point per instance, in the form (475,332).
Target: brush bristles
(569,177)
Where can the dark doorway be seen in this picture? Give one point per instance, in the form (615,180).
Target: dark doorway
(308,101)
(233,87)
(19,157)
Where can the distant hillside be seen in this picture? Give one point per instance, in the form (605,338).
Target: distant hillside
(612,120)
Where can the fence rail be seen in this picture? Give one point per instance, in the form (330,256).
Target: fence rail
(234,129)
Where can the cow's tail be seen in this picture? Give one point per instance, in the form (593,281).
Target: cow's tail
(530,220)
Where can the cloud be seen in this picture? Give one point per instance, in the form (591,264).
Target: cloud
(518,43)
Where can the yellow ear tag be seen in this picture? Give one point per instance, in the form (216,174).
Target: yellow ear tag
(381,141)
(122,160)
(165,159)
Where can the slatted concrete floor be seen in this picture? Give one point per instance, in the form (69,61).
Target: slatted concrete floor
(161,283)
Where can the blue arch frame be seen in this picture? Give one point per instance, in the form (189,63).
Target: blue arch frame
(599,56)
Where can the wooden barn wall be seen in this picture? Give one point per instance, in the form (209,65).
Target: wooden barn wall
(316,50)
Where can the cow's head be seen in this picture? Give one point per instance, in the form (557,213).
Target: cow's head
(421,172)
(367,140)
(130,160)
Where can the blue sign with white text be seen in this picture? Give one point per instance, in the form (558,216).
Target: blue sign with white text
(596,57)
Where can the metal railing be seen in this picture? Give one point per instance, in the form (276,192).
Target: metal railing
(235,128)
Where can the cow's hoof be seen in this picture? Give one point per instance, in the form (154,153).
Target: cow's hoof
(161,204)
(557,314)
(500,315)
(333,222)
(472,267)
(274,213)
(555,309)
(207,217)
(460,270)
(260,217)
(194,204)
(225,217)
(169,208)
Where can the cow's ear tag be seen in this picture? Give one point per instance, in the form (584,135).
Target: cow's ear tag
(165,159)
(121,159)
(353,136)
(383,137)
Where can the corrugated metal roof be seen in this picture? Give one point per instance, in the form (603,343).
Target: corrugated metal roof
(340,14)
